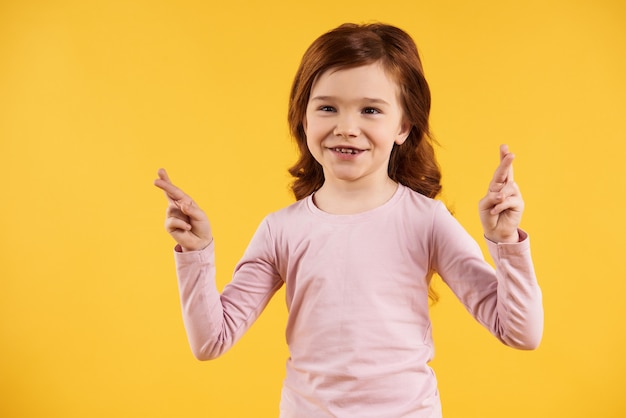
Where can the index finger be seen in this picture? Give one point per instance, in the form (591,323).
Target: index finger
(164,183)
(504,152)
(504,172)
(163,175)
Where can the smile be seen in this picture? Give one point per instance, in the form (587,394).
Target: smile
(346,150)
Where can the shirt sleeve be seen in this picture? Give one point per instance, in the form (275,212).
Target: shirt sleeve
(507,301)
(214,321)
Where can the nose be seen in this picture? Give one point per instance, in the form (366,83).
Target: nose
(347,126)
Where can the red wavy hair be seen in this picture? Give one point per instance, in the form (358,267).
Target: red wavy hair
(413,163)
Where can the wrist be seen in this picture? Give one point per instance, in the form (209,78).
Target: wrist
(181,249)
(505,239)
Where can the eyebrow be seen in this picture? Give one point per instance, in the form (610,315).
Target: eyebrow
(365,99)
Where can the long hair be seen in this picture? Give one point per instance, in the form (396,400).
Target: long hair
(413,163)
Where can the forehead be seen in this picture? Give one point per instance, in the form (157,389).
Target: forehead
(371,80)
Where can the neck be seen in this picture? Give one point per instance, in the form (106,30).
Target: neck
(345,198)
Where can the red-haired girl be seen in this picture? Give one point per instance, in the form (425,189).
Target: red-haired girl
(358,248)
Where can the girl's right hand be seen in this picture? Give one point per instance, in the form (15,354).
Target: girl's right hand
(185,221)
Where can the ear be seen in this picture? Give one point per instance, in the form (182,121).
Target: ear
(403,134)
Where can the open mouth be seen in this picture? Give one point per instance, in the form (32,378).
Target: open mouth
(346,150)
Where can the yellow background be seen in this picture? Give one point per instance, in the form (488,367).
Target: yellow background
(96,96)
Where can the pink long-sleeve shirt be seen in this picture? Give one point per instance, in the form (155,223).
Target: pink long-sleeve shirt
(358,331)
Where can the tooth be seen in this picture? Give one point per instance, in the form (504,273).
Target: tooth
(346,150)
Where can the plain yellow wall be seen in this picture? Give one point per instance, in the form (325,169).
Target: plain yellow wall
(96,96)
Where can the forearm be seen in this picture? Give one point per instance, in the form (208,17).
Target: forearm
(519,309)
(214,321)
(202,310)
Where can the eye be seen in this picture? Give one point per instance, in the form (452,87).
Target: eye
(371,111)
(327,109)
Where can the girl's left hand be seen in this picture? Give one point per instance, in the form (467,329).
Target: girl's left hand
(501,208)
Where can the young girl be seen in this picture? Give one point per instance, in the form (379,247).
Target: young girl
(357,250)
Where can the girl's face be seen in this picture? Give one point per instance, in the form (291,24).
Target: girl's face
(353,119)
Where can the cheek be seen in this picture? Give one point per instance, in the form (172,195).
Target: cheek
(305,123)
(315,150)
(312,129)
(311,142)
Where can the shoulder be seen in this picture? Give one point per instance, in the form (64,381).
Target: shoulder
(276,228)
(297,209)
(416,202)
(427,217)
(295,214)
